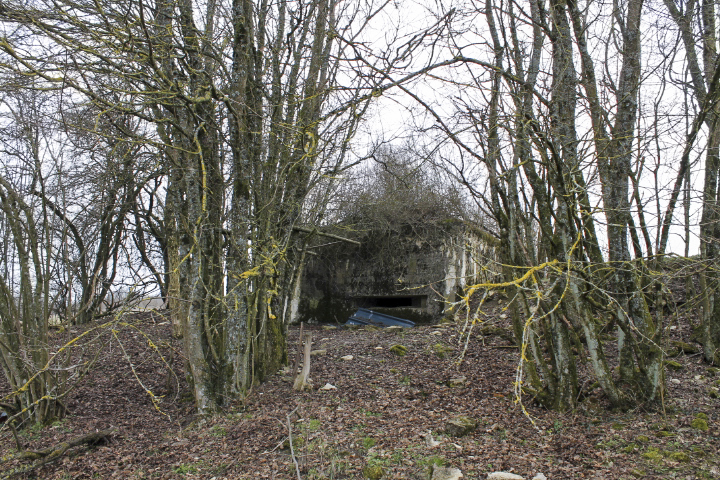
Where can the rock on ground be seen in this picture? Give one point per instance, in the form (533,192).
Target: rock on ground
(504,476)
(446,473)
(460,426)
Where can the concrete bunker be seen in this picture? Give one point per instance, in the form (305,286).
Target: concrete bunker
(411,273)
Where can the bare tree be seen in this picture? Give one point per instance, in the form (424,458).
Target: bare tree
(696,25)
(251,104)
(30,254)
(517,111)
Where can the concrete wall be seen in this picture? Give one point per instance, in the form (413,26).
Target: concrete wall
(405,274)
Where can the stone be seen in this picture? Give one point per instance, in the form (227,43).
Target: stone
(399,350)
(327,387)
(445,473)
(675,381)
(460,426)
(430,442)
(346,357)
(504,476)
(460,381)
(394,329)
(320,352)
(539,476)
(493,330)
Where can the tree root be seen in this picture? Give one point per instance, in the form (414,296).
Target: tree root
(51,454)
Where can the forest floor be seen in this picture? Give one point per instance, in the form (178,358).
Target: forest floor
(379,415)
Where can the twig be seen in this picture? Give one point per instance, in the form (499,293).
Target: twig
(290,441)
(19,444)
(50,454)
(314,230)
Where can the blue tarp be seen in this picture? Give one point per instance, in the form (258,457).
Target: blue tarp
(363,316)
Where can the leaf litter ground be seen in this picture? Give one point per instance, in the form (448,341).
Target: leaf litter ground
(384,407)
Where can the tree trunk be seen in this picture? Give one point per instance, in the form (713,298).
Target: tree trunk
(302,381)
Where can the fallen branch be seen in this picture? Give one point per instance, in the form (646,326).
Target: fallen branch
(290,440)
(51,454)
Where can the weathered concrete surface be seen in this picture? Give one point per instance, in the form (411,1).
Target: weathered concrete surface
(405,274)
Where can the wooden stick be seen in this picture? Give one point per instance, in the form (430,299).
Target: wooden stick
(301,382)
(296,362)
(298,228)
(50,454)
(290,441)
